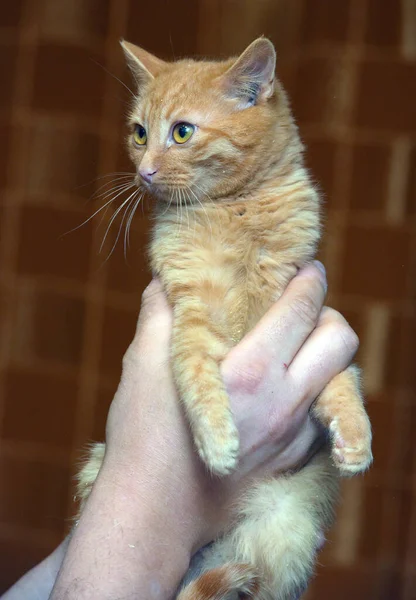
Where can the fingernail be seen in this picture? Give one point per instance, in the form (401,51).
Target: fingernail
(320,266)
(322,271)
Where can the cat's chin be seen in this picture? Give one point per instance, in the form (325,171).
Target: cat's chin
(168,195)
(161,194)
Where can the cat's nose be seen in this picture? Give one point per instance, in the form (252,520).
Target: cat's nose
(147,174)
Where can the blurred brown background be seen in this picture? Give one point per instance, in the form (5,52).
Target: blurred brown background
(67,315)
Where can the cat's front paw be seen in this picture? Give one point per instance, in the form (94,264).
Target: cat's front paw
(218,446)
(351,444)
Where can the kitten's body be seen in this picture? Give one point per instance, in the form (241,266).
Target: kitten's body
(223,261)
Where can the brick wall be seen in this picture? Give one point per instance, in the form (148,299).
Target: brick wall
(67,314)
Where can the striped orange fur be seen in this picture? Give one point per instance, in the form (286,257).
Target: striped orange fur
(236,216)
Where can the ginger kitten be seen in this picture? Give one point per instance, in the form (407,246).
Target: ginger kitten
(216,146)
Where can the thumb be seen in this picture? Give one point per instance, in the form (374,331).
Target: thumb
(154,324)
(154,302)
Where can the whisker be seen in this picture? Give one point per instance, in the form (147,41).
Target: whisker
(113,217)
(117,181)
(96,212)
(175,200)
(178,212)
(136,203)
(102,218)
(103,177)
(170,201)
(126,229)
(169,204)
(116,191)
(210,199)
(185,206)
(180,204)
(201,189)
(121,225)
(202,206)
(115,77)
(106,193)
(192,205)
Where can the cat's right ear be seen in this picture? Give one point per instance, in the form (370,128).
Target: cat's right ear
(142,64)
(251,77)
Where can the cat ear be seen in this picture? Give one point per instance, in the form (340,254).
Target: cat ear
(251,77)
(142,64)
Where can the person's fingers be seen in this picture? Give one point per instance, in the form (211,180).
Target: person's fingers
(284,328)
(154,324)
(305,439)
(154,303)
(328,351)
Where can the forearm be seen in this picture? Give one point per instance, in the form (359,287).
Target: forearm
(126,543)
(37,584)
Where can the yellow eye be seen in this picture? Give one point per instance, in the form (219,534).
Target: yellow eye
(182,132)
(139,135)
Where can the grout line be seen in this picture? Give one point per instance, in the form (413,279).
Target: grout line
(29,536)
(294,52)
(375,347)
(388,549)
(353,135)
(324,48)
(395,207)
(123,300)
(343,122)
(408,42)
(343,165)
(409,575)
(67,121)
(314,49)
(348,530)
(35,452)
(86,125)
(95,294)
(9,238)
(410,544)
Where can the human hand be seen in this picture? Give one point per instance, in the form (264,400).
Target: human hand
(272,376)
(153,503)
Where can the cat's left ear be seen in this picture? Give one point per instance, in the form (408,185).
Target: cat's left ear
(251,77)
(143,65)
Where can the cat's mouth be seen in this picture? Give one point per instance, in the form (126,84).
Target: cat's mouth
(172,195)
(177,190)
(158,191)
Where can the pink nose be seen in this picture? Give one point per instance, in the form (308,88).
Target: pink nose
(147,174)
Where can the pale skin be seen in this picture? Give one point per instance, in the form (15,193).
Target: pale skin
(154,504)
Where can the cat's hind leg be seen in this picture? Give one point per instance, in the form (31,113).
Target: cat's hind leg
(270,553)
(89,472)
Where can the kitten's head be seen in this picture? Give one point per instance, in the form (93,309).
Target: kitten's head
(201,129)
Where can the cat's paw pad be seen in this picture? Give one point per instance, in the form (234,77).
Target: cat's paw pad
(218,447)
(351,445)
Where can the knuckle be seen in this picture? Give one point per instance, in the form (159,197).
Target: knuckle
(246,378)
(149,292)
(347,336)
(329,315)
(130,355)
(278,424)
(154,309)
(305,308)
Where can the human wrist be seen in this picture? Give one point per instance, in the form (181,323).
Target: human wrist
(123,544)
(169,504)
